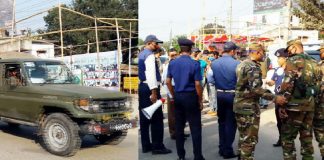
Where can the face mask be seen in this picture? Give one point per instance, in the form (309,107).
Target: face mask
(211,58)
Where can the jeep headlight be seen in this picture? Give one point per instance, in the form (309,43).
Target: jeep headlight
(86,104)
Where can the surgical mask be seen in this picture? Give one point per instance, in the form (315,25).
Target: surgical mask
(211,58)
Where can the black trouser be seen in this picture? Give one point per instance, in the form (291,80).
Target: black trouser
(279,120)
(226,122)
(187,109)
(156,122)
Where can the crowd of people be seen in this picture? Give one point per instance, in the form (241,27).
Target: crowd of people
(234,88)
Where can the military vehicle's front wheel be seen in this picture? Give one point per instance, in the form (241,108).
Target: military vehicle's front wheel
(60,135)
(113,139)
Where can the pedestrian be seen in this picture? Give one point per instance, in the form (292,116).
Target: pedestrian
(319,109)
(173,54)
(276,80)
(223,75)
(187,93)
(211,90)
(300,87)
(149,93)
(246,102)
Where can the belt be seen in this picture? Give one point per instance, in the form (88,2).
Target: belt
(226,91)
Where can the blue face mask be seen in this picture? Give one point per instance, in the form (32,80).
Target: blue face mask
(211,58)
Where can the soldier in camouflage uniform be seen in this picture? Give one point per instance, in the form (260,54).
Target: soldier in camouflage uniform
(246,102)
(319,109)
(300,87)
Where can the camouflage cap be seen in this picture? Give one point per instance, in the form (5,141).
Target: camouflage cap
(322,46)
(256,47)
(294,42)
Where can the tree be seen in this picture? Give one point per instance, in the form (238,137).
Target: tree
(210,28)
(311,13)
(167,45)
(96,8)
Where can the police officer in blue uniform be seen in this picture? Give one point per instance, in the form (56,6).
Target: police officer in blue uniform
(223,75)
(149,93)
(187,93)
(276,80)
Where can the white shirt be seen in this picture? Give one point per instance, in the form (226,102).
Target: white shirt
(150,72)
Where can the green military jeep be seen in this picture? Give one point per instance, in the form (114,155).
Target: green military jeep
(44,93)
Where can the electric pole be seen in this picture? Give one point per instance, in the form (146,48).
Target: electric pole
(287,35)
(229,20)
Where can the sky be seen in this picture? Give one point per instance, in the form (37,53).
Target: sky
(26,8)
(183,16)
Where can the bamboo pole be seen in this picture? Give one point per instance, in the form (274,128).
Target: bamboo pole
(97,42)
(61,30)
(120,19)
(130,56)
(118,54)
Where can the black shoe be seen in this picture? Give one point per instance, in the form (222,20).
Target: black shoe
(278,144)
(161,151)
(221,153)
(229,156)
(186,135)
(145,150)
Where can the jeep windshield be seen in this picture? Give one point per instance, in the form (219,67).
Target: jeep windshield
(49,72)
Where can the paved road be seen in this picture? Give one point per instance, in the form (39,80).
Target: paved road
(19,144)
(264,150)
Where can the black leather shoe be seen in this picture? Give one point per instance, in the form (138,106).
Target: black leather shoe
(278,144)
(161,151)
(174,138)
(145,150)
(230,156)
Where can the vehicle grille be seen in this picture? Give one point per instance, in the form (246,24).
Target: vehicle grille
(110,105)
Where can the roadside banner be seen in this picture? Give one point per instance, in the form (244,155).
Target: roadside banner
(91,72)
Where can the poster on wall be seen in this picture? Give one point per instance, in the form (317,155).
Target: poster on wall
(102,73)
(6,8)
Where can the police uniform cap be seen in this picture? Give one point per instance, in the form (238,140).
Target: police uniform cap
(256,47)
(185,42)
(195,50)
(282,52)
(152,38)
(228,46)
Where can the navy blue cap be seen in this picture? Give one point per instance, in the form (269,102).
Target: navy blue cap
(282,52)
(205,51)
(230,46)
(152,38)
(185,42)
(195,50)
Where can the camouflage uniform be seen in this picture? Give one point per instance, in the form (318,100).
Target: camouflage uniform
(319,115)
(246,106)
(300,86)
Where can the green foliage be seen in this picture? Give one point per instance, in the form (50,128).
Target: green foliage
(311,13)
(97,8)
(175,45)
